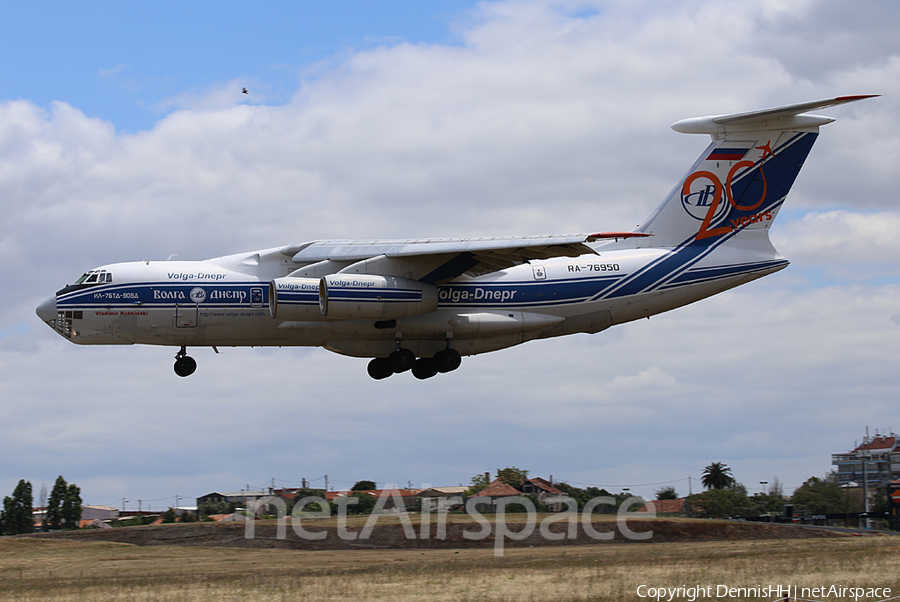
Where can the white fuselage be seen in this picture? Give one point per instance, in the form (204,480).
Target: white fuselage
(226,301)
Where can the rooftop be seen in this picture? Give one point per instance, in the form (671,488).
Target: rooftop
(498,489)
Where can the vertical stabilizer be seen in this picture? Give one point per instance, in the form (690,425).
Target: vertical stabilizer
(742,178)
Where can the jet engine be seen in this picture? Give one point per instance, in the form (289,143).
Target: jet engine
(295,299)
(362,296)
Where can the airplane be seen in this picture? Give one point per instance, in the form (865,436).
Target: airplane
(420,305)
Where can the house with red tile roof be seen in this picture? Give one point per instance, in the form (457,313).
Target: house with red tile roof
(542,489)
(498,489)
(679,507)
(554,499)
(395,500)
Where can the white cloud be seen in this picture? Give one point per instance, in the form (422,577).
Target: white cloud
(842,237)
(543,118)
(111,72)
(222,96)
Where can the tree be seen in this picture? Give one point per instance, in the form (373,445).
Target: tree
(517,508)
(717,476)
(583,496)
(817,496)
(636,503)
(776,488)
(169,516)
(364,486)
(479,482)
(18,514)
(71,507)
(304,492)
(512,476)
(721,503)
(53,517)
(766,503)
(209,508)
(364,504)
(666,493)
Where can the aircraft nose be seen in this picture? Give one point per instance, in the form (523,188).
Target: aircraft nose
(46,311)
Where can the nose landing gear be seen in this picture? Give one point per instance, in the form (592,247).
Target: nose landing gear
(184,364)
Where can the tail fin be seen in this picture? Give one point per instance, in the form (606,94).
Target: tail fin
(741,179)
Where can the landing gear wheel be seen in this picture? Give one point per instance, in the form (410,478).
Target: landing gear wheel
(447,360)
(379,368)
(425,367)
(401,360)
(185,365)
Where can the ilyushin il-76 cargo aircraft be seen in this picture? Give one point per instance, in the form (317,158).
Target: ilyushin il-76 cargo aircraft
(419,305)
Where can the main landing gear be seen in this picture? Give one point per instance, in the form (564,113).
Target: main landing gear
(184,364)
(402,360)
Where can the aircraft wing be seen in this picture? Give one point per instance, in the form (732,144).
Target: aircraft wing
(440,259)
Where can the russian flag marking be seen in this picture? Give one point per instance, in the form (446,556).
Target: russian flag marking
(727,154)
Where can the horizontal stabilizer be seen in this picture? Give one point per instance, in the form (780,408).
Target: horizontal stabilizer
(777,118)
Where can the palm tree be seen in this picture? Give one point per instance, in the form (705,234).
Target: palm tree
(717,476)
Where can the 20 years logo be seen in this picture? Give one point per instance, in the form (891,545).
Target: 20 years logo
(705,202)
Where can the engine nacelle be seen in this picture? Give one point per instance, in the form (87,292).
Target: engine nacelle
(361,296)
(295,299)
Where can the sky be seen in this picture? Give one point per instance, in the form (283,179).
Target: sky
(124,136)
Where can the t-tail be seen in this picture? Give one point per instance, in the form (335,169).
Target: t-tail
(737,186)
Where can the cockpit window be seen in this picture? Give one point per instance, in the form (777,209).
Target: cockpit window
(95,277)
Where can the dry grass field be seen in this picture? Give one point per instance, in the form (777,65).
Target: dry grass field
(63,570)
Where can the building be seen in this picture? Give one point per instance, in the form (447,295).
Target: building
(88,513)
(103,513)
(881,456)
(679,507)
(441,499)
(391,500)
(867,470)
(554,499)
(395,500)
(232,497)
(498,489)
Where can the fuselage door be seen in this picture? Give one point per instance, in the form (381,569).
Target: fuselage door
(186,315)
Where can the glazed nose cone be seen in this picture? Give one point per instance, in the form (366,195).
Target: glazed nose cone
(46,311)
